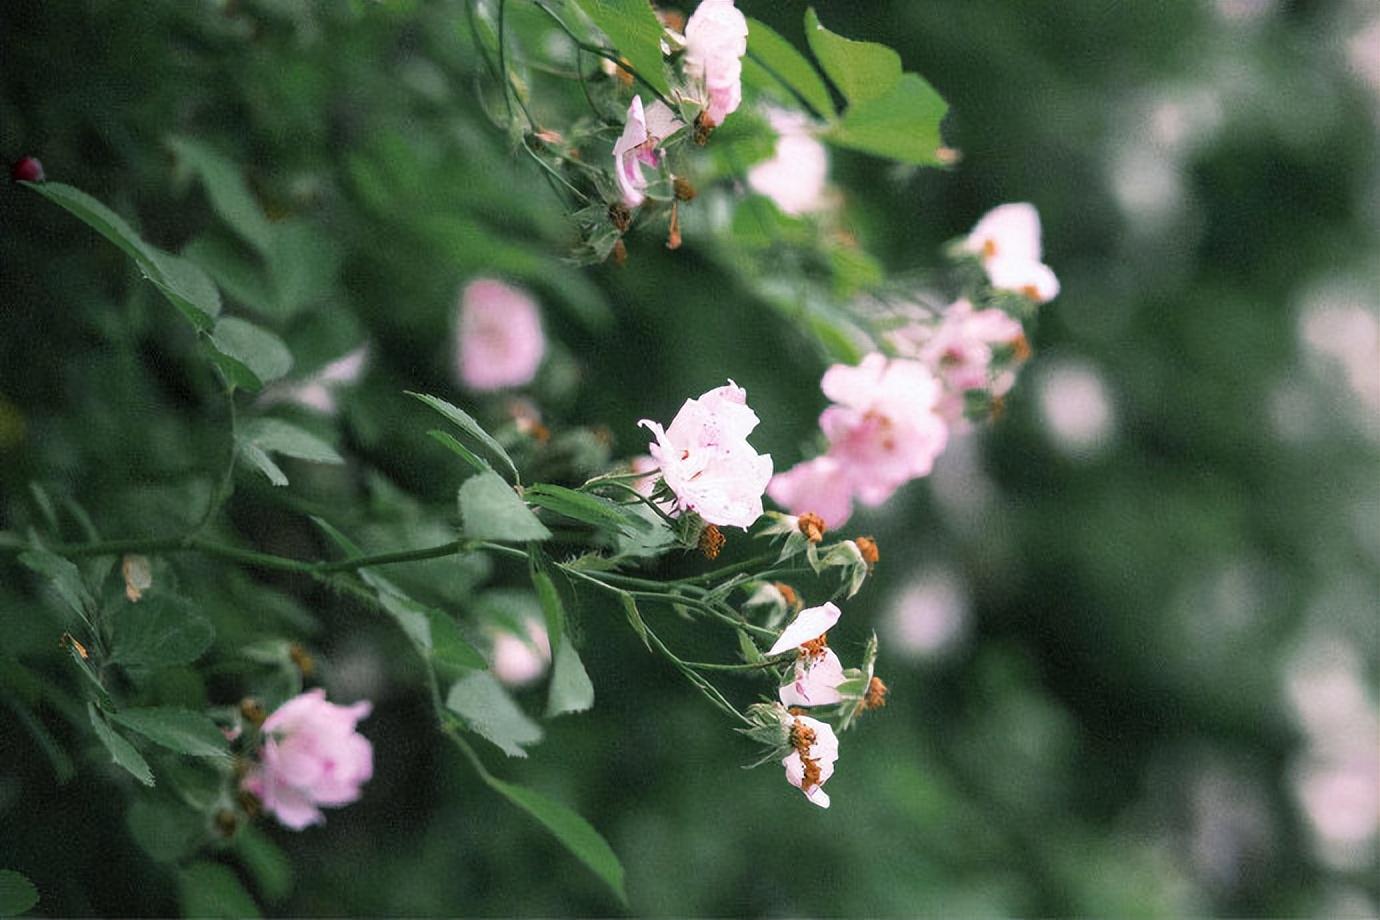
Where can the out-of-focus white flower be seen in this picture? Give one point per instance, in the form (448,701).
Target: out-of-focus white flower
(706,461)
(1076,407)
(819,486)
(930,614)
(643,133)
(500,339)
(715,42)
(1007,240)
(519,660)
(796,176)
(811,763)
(317,391)
(818,671)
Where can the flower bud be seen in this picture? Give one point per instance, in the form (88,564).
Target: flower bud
(867,548)
(302,659)
(875,697)
(252,711)
(684,190)
(620,216)
(812,526)
(27,169)
(711,541)
(226,822)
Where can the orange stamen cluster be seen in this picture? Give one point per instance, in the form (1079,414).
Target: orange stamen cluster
(802,739)
(812,526)
(1020,348)
(252,711)
(989,248)
(1031,291)
(787,594)
(867,547)
(620,216)
(711,541)
(704,127)
(70,641)
(815,648)
(684,190)
(875,697)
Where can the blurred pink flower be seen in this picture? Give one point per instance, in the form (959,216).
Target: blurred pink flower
(1007,240)
(317,391)
(810,765)
(706,460)
(796,175)
(820,486)
(642,134)
(959,350)
(500,339)
(818,671)
(519,660)
(312,756)
(715,42)
(882,429)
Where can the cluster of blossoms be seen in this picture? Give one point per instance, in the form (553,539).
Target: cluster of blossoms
(892,416)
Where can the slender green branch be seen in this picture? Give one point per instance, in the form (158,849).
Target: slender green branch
(227,481)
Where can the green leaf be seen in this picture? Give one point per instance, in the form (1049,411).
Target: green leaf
(409,614)
(227,190)
(234,271)
(265,861)
(787,66)
(465,423)
(302,264)
(490,712)
(180,730)
(121,751)
(581,506)
(578,835)
(553,612)
(491,510)
(570,689)
(249,355)
(158,631)
(903,124)
(185,285)
(208,889)
(164,828)
(634,617)
(448,647)
(17,893)
(445,439)
(264,435)
(861,70)
(635,33)
(65,578)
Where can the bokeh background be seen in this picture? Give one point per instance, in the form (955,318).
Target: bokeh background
(1130,629)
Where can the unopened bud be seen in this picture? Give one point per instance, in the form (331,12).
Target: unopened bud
(867,548)
(302,659)
(27,169)
(673,234)
(619,254)
(875,697)
(788,594)
(948,156)
(684,190)
(812,526)
(704,127)
(711,541)
(249,802)
(227,822)
(252,711)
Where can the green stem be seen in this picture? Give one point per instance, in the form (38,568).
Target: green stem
(603,53)
(227,482)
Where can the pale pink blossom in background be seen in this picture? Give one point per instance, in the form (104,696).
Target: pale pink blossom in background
(818,671)
(821,753)
(959,350)
(1077,409)
(796,176)
(882,428)
(317,391)
(312,756)
(646,468)
(1007,241)
(706,460)
(519,660)
(820,486)
(500,341)
(715,42)
(637,147)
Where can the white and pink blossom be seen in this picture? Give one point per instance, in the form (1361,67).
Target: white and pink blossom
(643,134)
(715,42)
(706,461)
(818,671)
(811,763)
(500,343)
(796,177)
(312,756)
(518,660)
(820,486)
(960,350)
(1007,241)
(317,391)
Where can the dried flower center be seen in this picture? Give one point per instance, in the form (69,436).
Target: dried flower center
(989,248)
(787,593)
(684,190)
(815,648)
(867,548)
(802,739)
(875,697)
(812,526)
(1020,348)
(1031,291)
(711,541)
(620,216)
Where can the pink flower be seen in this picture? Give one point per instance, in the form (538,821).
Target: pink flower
(883,428)
(818,671)
(1007,240)
(715,42)
(500,339)
(317,391)
(959,350)
(810,765)
(519,660)
(706,460)
(796,175)
(820,485)
(312,756)
(642,134)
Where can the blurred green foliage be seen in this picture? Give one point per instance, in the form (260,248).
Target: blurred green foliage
(1112,732)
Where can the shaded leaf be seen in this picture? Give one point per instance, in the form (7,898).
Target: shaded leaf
(582,506)
(165,829)
(786,65)
(491,510)
(553,611)
(208,889)
(227,191)
(65,578)
(448,647)
(158,631)
(902,125)
(249,355)
(570,689)
(490,712)
(635,33)
(861,70)
(467,424)
(264,435)
(121,751)
(180,730)
(265,861)
(17,893)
